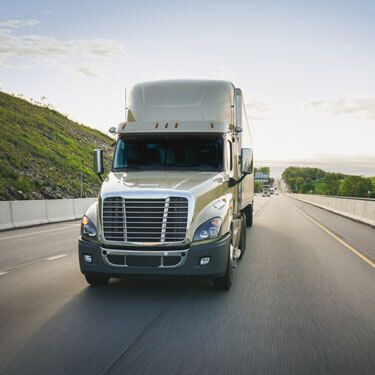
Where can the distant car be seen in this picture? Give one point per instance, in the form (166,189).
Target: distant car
(265,193)
(272,191)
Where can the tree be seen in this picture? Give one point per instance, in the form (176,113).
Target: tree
(321,188)
(356,186)
(307,187)
(265,170)
(258,187)
(332,182)
(307,174)
(298,182)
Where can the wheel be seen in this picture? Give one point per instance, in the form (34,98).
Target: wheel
(249,215)
(94,279)
(225,282)
(243,237)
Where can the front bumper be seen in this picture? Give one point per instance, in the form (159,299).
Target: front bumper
(188,264)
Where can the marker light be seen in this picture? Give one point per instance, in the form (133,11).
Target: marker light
(207,230)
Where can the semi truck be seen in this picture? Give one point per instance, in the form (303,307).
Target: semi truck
(180,192)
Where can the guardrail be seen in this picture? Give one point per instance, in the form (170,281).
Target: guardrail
(359,209)
(18,214)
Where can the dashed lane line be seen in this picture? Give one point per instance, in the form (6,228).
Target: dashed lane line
(41,231)
(6,270)
(57,257)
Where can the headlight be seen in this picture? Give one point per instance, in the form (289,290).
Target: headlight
(87,227)
(207,230)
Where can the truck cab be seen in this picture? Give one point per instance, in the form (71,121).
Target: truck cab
(180,192)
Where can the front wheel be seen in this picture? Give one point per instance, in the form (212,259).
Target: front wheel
(243,237)
(249,215)
(96,280)
(225,282)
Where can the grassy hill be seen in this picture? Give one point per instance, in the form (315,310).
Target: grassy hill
(42,152)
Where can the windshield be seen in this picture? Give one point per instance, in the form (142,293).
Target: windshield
(203,154)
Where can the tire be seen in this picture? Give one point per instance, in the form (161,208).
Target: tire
(224,283)
(96,280)
(243,237)
(249,215)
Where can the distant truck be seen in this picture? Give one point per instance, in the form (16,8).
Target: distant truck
(180,192)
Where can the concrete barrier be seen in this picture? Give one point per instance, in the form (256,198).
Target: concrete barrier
(26,213)
(6,220)
(359,209)
(60,210)
(18,214)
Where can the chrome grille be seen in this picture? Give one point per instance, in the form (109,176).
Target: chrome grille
(145,220)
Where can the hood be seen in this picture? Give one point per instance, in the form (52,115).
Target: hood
(193,181)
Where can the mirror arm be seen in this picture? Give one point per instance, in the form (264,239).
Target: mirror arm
(232,182)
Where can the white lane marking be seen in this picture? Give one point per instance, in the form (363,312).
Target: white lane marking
(3,273)
(57,257)
(41,231)
(261,206)
(5,270)
(20,265)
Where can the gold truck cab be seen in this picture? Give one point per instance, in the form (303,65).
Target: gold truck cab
(180,191)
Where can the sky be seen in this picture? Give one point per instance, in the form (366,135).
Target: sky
(306,68)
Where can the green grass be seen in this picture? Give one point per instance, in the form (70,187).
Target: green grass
(42,152)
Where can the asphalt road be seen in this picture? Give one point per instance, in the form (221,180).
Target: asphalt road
(302,303)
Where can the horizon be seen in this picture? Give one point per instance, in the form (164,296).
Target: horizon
(305,70)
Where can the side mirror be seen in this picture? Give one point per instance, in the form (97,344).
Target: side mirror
(246,161)
(112,129)
(98,162)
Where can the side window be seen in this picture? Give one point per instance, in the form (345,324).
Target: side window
(230,156)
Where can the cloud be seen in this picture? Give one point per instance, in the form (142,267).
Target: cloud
(17,24)
(13,66)
(53,52)
(257,109)
(42,46)
(362,106)
(89,70)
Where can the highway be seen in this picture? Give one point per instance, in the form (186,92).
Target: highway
(302,302)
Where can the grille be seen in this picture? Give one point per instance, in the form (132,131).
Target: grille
(144,260)
(145,220)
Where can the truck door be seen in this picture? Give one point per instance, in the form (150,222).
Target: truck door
(233,169)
